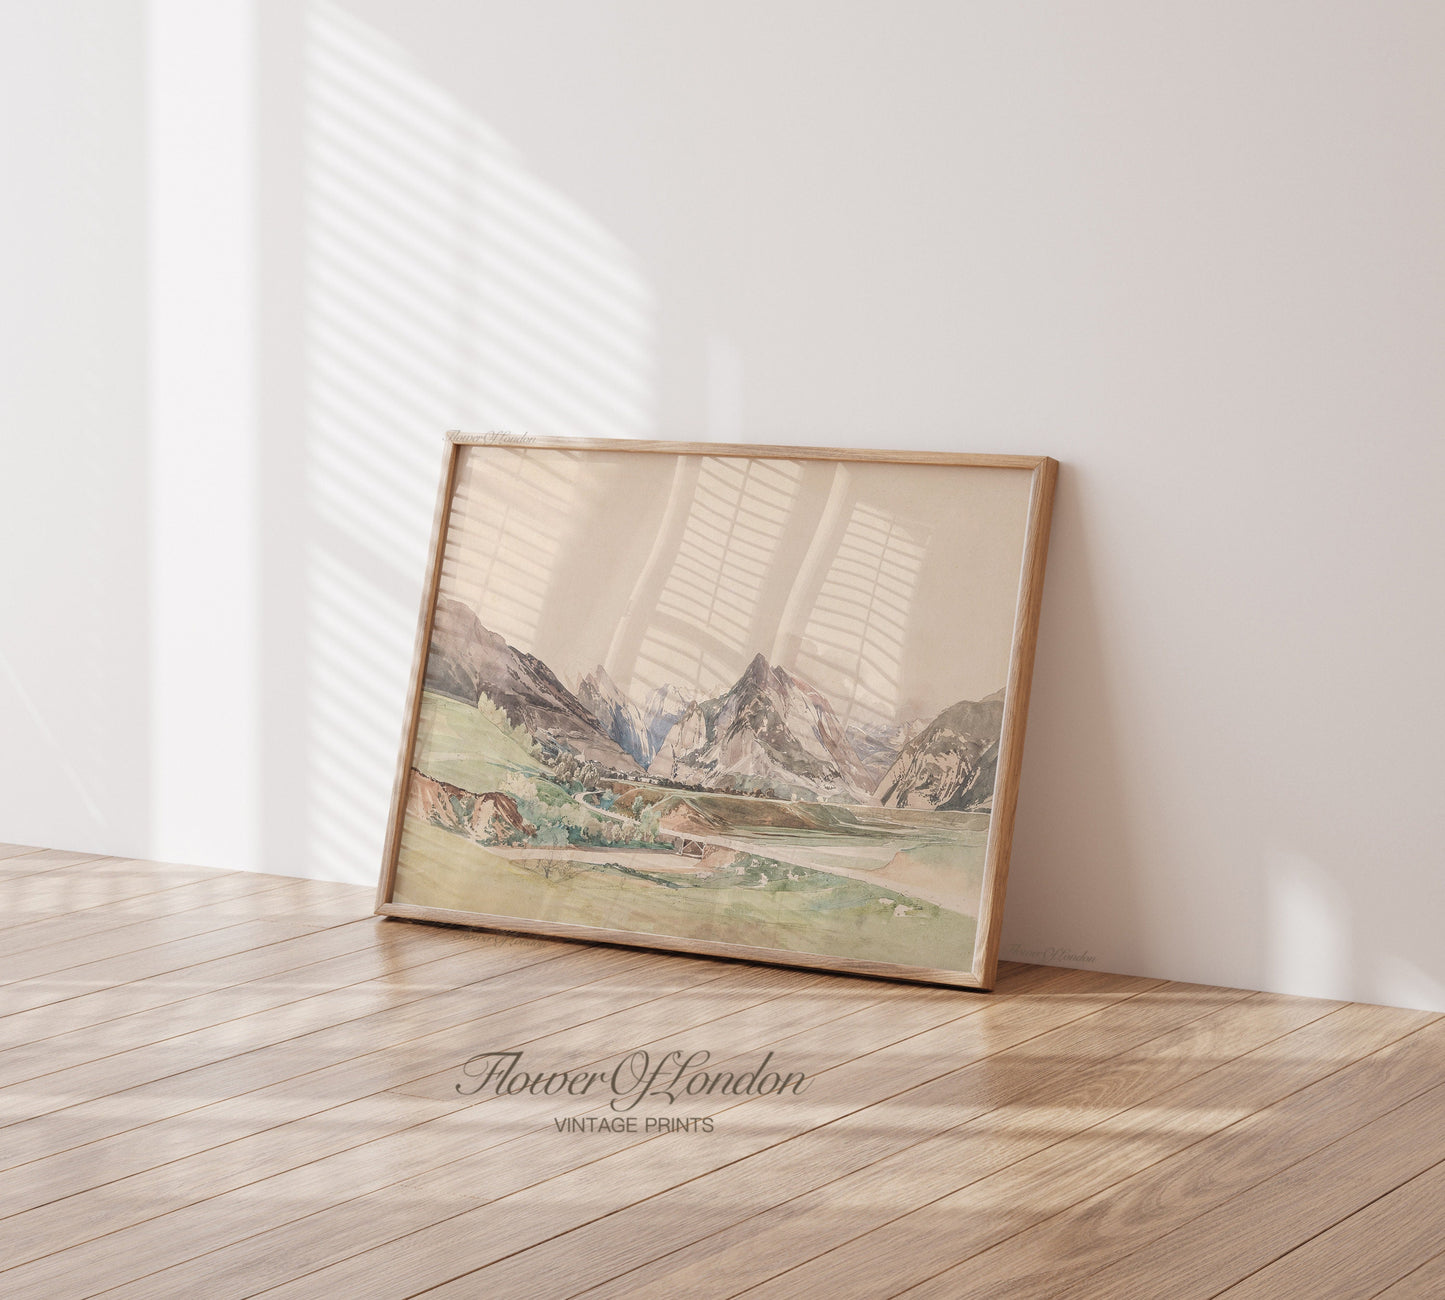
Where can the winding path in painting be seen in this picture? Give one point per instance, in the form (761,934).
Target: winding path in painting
(668,861)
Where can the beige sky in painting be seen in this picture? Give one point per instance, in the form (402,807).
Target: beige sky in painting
(890,587)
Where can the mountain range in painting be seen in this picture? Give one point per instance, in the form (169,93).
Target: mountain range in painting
(771,734)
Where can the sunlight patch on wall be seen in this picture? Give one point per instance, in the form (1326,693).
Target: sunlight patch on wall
(446,285)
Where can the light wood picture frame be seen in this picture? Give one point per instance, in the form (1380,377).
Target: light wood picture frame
(745,701)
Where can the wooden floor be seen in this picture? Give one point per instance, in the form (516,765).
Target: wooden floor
(223,1084)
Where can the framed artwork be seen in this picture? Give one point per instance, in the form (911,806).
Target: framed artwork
(756,702)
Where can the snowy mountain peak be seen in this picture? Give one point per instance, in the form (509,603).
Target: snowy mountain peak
(770,733)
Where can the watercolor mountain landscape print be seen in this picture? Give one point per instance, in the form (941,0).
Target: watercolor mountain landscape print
(766,796)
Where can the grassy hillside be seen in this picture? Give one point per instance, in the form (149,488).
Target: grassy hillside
(473,748)
(763,903)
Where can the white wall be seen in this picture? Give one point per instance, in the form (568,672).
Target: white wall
(1191,250)
(75,689)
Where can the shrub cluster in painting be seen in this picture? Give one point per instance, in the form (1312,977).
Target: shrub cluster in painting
(754,817)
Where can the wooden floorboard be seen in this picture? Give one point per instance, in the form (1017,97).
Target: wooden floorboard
(1427,1282)
(232,1085)
(36,862)
(86,905)
(1375,1246)
(985,1119)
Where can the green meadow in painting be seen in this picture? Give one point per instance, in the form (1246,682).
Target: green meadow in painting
(561,823)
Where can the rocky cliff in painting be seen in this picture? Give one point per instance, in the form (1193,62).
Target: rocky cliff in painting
(951,763)
(466,661)
(771,734)
(488,818)
(664,707)
(615,713)
(459,652)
